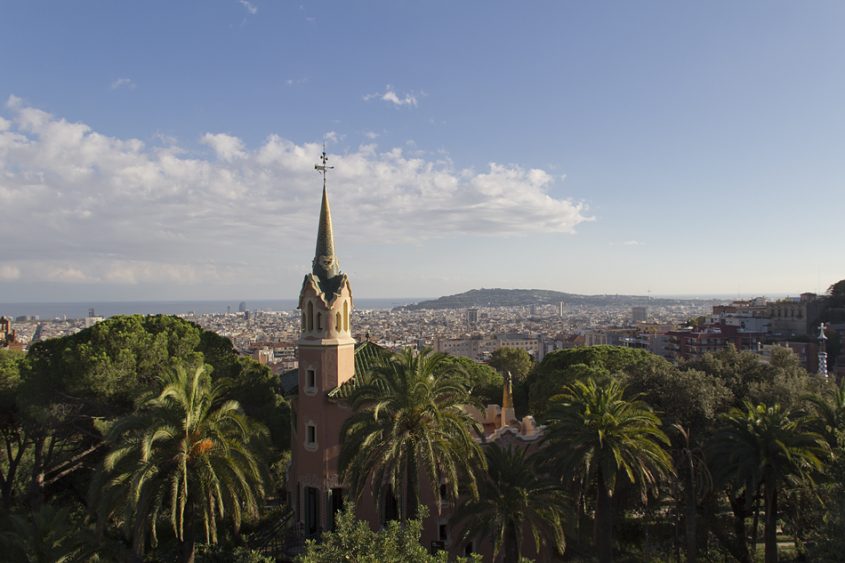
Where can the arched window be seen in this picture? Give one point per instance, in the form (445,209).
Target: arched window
(303,319)
(319,321)
(337,321)
(346,316)
(310,316)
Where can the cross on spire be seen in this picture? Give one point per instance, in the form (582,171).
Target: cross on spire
(323,168)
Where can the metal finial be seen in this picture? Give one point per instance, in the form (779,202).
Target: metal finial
(323,168)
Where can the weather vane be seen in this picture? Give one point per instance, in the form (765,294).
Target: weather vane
(323,168)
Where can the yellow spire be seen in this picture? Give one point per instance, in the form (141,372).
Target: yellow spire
(507,394)
(325,264)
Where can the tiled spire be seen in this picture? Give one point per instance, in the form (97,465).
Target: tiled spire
(325,265)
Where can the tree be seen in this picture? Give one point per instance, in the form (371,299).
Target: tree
(514,360)
(12,431)
(409,422)
(72,387)
(485,382)
(688,402)
(564,367)
(48,535)
(189,455)
(829,407)
(763,446)
(514,496)
(595,434)
(354,541)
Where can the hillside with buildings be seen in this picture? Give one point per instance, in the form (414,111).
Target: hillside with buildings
(497,297)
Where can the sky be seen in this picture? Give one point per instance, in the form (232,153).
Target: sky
(165,150)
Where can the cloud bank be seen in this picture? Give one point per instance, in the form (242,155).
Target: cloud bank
(78,206)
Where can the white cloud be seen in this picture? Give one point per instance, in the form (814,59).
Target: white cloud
(124,83)
(390,95)
(632,243)
(249,6)
(119,211)
(67,274)
(226,146)
(371,135)
(297,81)
(9,272)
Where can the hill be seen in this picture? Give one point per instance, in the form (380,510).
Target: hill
(522,297)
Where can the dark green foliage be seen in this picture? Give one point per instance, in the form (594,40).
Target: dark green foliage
(355,542)
(594,428)
(759,448)
(837,289)
(228,554)
(597,437)
(485,383)
(47,535)
(257,389)
(515,496)
(564,367)
(14,435)
(59,401)
(408,421)
(688,398)
(514,360)
(737,371)
(186,457)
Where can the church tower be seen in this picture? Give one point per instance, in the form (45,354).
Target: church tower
(326,361)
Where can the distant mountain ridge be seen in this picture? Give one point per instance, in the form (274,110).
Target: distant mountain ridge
(498,297)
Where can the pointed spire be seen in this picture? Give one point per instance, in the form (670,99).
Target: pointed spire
(507,396)
(325,264)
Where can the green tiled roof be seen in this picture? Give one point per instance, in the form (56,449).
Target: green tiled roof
(367,355)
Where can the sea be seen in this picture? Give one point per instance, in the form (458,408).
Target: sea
(78,310)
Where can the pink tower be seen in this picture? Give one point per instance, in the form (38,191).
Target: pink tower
(326,361)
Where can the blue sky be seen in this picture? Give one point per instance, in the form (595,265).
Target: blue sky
(162,150)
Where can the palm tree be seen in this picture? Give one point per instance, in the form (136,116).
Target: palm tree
(764,446)
(514,496)
(409,422)
(47,535)
(830,411)
(595,434)
(189,454)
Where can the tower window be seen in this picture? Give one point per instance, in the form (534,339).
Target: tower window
(319,321)
(311,436)
(346,316)
(310,380)
(337,322)
(310,316)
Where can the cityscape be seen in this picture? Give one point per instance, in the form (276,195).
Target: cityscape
(752,324)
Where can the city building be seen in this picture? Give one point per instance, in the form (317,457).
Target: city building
(639,314)
(8,336)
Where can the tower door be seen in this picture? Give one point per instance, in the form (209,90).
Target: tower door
(312,510)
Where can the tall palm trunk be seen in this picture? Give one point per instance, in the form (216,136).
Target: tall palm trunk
(138,540)
(36,482)
(603,531)
(771,538)
(411,486)
(189,550)
(690,510)
(740,512)
(511,548)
